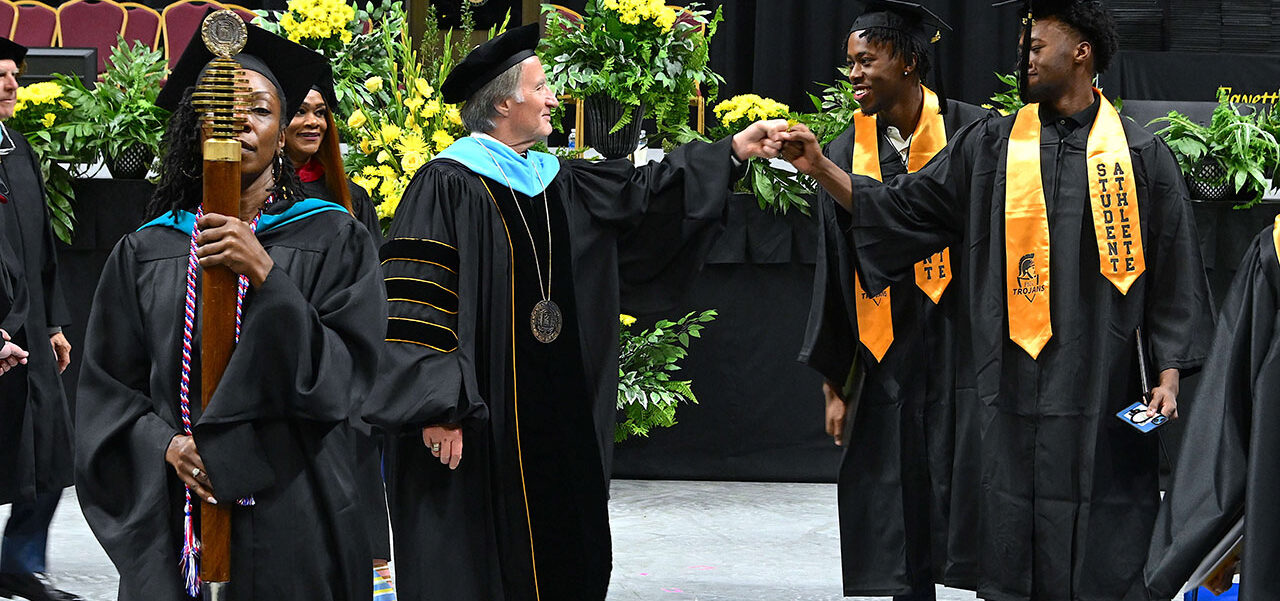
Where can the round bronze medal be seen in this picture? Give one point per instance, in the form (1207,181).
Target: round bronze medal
(546,321)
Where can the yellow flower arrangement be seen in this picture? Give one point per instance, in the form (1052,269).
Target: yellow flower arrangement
(749,107)
(45,92)
(318,20)
(632,12)
(48,119)
(403,121)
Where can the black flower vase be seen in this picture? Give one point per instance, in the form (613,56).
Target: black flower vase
(133,162)
(602,112)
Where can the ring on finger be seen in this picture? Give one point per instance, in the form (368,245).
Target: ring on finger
(195,472)
(435,447)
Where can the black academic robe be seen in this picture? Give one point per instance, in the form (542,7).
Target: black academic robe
(373,496)
(525,514)
(13,291)
(35,420)
(1228,466)
(361,205)
(276,428)
(895,492)
(1068,492)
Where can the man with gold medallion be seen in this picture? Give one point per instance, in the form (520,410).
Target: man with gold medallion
(505,271)
(895,496)
(1071,229)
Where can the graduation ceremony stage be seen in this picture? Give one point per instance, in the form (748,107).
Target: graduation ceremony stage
(672,541)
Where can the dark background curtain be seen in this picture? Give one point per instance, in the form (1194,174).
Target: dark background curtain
(780,48)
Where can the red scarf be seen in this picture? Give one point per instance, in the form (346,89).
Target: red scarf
(313,171)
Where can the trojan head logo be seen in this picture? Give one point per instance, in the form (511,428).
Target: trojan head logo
(1028,279)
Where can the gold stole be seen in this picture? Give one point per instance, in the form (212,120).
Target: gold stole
(875,314)
(1026,242)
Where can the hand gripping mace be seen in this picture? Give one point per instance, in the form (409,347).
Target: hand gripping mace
(221,99)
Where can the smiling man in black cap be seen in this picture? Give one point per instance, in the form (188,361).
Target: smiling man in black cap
(35,424)
(505,269)
(895,494)
(1068,492)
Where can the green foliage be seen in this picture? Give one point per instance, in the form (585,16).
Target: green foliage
(1008,100)
(120,112)
(647,394)
(70,126)
(833,109)
(1245,145)
(637,64)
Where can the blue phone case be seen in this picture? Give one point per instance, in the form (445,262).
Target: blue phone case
(1136,415)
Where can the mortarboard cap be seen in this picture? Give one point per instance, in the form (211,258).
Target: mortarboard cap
(488,61)
(910,18)
(292,67)
(11,50)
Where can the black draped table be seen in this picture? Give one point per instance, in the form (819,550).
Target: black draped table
(760,415)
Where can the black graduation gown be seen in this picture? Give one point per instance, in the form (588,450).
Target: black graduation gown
(1068,492)
(895,491)
(361,205)
(35,420)
(373,497)
(530,494)
(1229,463)
(13,291)
(276,429)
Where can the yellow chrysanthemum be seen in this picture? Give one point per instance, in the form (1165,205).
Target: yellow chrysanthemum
(48,119)
(749,106)
(626,320)
(389,133)
(431,108)
(369,184)
(64,104)
(387,209)
(441,139)
(383,156)
(389,188)
(45,92)
(357,119)
(373,84)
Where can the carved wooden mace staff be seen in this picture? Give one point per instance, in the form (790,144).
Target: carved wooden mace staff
(221,98)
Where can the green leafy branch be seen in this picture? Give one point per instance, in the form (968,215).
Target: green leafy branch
(647,393)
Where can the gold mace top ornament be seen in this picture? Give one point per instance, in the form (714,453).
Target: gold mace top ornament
(222,93)
(224,33)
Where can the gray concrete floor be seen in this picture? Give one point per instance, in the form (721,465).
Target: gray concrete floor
(672,541)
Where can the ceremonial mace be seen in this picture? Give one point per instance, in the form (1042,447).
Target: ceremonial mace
(221,99)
